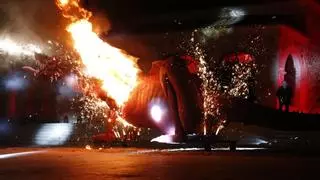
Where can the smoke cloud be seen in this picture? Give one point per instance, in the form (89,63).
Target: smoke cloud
(25,24)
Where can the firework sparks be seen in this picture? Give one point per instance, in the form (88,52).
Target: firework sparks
(16,49)
(209,86)
(214,119)
(242,75)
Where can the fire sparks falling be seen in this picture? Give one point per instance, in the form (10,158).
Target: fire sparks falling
(209,88)
(213,89)
(116,69)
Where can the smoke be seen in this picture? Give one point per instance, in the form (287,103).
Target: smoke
(21,20)
(228,17)
(25,24)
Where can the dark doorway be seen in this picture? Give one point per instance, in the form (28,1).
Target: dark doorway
(290,72)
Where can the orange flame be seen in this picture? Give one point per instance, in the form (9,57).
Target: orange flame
(72,10)
(115,68)
(62,3)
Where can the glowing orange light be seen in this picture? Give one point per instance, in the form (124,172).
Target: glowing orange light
(115,68)
(62,3)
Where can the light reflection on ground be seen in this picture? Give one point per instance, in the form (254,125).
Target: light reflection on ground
(196,149)
(12,155)
(118,163)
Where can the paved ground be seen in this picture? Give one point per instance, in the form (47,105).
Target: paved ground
(82,164)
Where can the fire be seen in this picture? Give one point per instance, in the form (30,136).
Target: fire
(62,3)
(115,68)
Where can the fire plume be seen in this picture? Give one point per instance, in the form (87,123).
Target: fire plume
(115,68)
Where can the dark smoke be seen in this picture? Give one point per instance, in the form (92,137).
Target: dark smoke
(29,22)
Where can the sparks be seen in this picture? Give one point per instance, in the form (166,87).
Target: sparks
(13,48)
(209,88)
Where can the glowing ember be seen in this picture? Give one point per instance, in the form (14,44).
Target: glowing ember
(116,69)
(88,147)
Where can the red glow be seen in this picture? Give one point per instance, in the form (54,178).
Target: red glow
(104,137)
(312,15)
(299,47)
(12,104)
(192,64)
(239,57)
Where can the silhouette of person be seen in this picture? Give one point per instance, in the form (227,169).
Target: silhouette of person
(65,119)
(284,94)
(251,88)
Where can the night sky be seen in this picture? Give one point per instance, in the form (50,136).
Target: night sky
(137,26)
(157,16)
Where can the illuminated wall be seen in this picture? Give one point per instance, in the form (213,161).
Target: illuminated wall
(281,53)
(298,59)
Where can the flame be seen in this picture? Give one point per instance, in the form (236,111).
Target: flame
(62,3)
(72,10)
(115,68)
(124,122)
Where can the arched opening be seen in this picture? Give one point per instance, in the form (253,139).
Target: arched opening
(290,72)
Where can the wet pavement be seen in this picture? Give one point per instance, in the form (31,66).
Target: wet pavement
(129,163)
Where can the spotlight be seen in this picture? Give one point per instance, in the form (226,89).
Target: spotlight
(171,131)
(5,128)
(15,82)
(167,139)
(54,134)
(156,113)
(71,80)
